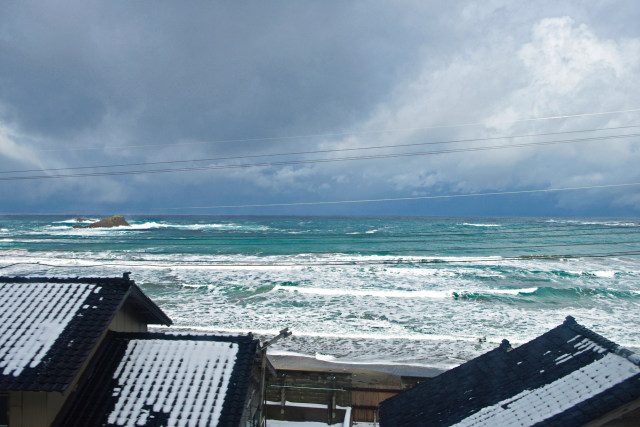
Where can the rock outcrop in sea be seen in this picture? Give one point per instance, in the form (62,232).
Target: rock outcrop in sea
(114,221)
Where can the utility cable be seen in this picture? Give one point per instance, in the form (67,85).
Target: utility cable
(394,199)
(325,135)
(314,152)
(313,161)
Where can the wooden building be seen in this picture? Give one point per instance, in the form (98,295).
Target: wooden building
(76,351)
(569,376)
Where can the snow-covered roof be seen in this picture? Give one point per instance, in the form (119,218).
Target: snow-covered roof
(568,376)
(48,327)
(151,379)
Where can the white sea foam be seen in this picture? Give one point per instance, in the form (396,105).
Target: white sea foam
(325,357)
(441,294)
(366,292)
(604,273)
(381,336)
(149,225)
(481,225)
(75,221)
(606,223)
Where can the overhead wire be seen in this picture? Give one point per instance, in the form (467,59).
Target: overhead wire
(313,161)
(394,199)
(316,151)
(334,134)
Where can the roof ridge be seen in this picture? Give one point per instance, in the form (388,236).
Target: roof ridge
(37,279)
(177,336)
(571,323)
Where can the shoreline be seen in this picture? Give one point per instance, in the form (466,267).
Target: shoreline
(309,363)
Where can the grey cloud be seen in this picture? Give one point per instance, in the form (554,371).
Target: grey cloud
(117,74)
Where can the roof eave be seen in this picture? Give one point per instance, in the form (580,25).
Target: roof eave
(154,314)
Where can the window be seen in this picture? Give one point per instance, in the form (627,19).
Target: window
(4,410)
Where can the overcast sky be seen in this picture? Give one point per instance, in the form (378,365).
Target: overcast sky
(91,84)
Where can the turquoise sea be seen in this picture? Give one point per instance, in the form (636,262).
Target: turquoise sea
(430,291)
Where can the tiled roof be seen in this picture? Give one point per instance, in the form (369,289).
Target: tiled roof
(48,327)
(153,379)
(566,377)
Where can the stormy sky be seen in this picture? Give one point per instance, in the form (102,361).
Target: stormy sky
(86,84)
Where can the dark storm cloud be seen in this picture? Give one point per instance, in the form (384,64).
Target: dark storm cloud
(115,74)
(197,70)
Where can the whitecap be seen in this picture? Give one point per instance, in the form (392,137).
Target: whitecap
(608,274)
(365,292)
(440,294)
(325,357)
(481,225)
(75,221)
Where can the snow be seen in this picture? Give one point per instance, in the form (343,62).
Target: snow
(584,345)
(33,316)
(185,379)
(533,406)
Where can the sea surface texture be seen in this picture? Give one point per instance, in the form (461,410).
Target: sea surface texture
(425,291)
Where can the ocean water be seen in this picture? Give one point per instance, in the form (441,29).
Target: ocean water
(424,291)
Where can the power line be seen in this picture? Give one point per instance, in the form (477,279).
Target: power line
(312,161)
(394,199)
(317,151)
(322,135)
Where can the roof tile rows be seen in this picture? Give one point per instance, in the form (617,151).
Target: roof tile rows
(566,377)
(48,327)
(155,379)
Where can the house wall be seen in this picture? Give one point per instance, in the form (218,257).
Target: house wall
(128,320)
(250,415)
(34,408)
(625,416)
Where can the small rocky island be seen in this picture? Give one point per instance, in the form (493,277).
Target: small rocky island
(114,221)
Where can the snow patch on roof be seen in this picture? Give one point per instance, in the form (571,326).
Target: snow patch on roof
(533,406)
(583,345)
(184,379)
(32,318)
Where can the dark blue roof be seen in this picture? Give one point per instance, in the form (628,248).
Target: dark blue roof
(159,378)
(49,326)
(566,377)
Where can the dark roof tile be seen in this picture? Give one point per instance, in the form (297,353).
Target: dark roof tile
(169,365)
(600,375)
(48,342)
